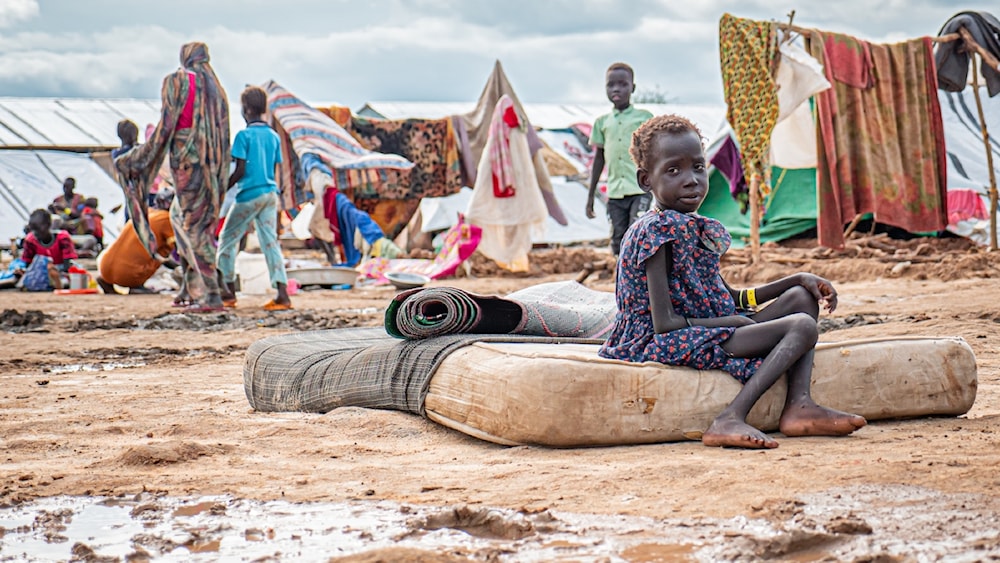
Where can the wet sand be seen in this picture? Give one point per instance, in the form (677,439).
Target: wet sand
(118,396)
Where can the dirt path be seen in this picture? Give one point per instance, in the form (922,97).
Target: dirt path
(119,395)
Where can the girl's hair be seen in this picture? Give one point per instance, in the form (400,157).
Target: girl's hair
(642,138)
(254,99)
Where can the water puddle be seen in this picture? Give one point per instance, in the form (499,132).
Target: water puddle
(103,366)
(862,523)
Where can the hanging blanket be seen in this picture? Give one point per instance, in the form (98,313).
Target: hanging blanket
(506,201)
(558,309)
(882,147)
(430,144)
(953,60)
(474,128)
(365,173)
(747,53)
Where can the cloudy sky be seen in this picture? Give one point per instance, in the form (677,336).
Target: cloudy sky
(429,50)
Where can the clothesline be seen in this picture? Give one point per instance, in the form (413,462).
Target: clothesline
(963,34)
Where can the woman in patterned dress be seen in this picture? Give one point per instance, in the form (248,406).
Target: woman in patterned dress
(194,132)
(675,308)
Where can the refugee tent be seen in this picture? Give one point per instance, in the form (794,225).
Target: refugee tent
(75,124)
(31,179)
(44,140)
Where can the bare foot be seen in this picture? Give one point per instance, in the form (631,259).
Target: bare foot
(811,419)
(736,434)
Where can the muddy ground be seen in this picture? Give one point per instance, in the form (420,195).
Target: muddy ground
(119,396)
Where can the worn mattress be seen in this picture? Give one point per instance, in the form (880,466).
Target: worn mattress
(558,392)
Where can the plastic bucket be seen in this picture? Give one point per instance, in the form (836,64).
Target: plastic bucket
(79,281)
(252,270)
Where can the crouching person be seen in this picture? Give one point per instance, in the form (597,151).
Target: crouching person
(48,255)
(127,263)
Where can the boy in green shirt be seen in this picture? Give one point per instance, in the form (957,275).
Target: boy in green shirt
(612,137)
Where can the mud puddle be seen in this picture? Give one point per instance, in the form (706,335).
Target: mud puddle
(872,523)
(104,366)
(31,320)
(217,322)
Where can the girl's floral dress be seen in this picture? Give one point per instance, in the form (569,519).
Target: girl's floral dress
(696,291)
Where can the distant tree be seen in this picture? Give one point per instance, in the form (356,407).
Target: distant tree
(654,95)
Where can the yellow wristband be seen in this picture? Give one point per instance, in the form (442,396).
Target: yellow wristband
(752,297)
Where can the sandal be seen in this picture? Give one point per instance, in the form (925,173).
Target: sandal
(272,305)
(229,303)
(182,303)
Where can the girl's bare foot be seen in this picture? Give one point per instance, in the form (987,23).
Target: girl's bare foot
(810,419)
(736,434)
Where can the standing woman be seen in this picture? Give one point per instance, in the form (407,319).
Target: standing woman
(194,131)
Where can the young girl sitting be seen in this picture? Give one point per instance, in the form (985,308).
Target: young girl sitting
(675,308)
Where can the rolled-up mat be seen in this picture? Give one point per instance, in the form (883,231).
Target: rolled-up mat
(558,309)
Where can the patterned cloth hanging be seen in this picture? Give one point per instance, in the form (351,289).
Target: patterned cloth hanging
(747,50)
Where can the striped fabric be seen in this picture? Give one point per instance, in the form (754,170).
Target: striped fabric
(369,174)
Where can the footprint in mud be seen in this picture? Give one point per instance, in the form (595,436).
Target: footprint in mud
(480,522)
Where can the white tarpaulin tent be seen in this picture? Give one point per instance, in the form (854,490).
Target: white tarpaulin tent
(77,123)
(31,179)
(439,213)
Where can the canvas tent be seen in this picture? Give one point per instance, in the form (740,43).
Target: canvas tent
(44,140)
(30,179)
(70,123)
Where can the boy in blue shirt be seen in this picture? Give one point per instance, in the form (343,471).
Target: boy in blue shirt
(612,137)
(256,152)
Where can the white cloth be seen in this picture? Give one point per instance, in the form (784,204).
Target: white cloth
(799,77)
(319,225)
(508,223)
(793,142)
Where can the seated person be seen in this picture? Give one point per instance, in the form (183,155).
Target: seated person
(127,263)
(79,215)
(48,255)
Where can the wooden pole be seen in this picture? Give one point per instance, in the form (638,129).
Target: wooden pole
(972,47)
(755,219)
(853,225)
(989,153)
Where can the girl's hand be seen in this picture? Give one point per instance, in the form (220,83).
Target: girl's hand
(821,289)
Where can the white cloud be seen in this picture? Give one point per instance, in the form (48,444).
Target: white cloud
(410,49)
(13,11)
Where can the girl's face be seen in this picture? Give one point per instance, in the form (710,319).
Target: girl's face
(677,175)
